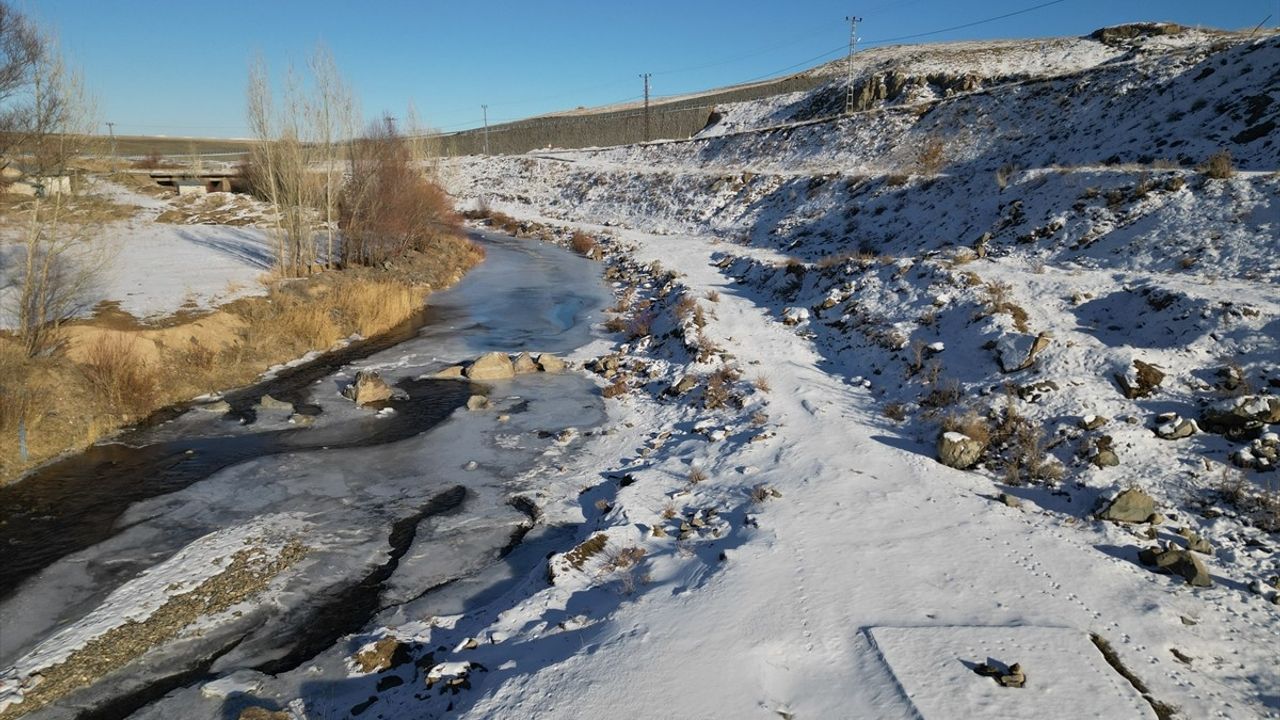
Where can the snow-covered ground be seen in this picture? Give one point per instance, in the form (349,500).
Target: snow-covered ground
(762,526)
(155,268)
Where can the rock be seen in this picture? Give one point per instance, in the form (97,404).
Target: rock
(382,655)
(1106,458)
(1015,678)
(217,406)
(491,366)
(524,364)
(1171,426)
(261,713)
(685,384)
(1035,391)
(1196,543)
(302,420)
(1240,416)
(1262,454)
(1142,381)
(1092,422)
(1131,506)
(614,390)
(451,372)
(1016,352)
(795,316)
(550,363)
(368,387)
(1010,500)
(958,450)
(477,402)
(1184,563)
(268,403)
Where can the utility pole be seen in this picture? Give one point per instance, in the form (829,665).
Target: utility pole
(111,128)
(647,127)
(853,42)
(485,108)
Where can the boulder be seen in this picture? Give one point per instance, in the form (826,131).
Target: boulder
(1106,458)
(269,404)
(524,364)
(368,387)
(1180,562)
(1092,422)
(958,450)
(550,363)
(1131,506)
(1196,543)
(1240,416)
(451,372)
(491,366)
(217,406)
(1141,381)
(685,384)
(382,655)
(1262,454)
(260,713)
(1171,426)
(1018,351)
(477,402)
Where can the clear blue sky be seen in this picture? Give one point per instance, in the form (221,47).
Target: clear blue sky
(178,67)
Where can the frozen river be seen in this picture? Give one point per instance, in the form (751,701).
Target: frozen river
(402,513)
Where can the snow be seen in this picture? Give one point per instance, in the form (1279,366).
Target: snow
(820,562)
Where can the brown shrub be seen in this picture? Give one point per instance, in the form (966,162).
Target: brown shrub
(119,374)
(1218,166)
(697,475)
(970,424)
(583,244)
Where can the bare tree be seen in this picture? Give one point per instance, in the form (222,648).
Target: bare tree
(280,161)
(57,266)
(22,47)
(332,117)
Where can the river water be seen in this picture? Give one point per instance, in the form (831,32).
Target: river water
(407,508)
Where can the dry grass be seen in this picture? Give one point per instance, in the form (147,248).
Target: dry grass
(718,391)
(761,383)
(697,475)
(998,302)
(1218,166)
(713,296)
(118,373)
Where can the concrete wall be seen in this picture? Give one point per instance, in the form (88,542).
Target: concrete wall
(669,120)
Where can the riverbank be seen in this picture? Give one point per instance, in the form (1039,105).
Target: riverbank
(114,370)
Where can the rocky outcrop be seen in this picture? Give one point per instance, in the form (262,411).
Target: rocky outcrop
(1172,426)
(1241,416)
(368,387)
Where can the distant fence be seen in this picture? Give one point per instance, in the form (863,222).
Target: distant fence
(672,119)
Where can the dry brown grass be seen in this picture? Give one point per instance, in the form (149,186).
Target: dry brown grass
(697,475)
(1218,166)
(119,374)
(970,424)
(998,302)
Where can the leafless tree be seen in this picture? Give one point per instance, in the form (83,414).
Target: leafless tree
(57,264)
(333,123)
(22,47)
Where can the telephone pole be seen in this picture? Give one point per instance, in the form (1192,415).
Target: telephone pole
(485,108)
(853,42)
(647,134)
(111,128)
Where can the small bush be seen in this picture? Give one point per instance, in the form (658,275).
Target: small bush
(761,383)
(895,411)
(717,392)
(971,425)
(119,374)
(583,244)
(1218,166)
(697,475)
(713,296)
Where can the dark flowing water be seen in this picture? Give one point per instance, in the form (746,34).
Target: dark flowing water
(369,489)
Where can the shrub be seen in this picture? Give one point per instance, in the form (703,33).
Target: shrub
(583,244)
(895,411)
(119,374)
(713,296)
(697,475)
(387,207)
(1219,166)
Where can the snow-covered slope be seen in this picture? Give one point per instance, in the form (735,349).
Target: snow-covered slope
(987,256)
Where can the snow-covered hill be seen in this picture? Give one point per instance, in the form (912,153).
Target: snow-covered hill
(1002,244)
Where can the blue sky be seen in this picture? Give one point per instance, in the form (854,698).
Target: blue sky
(180,68)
